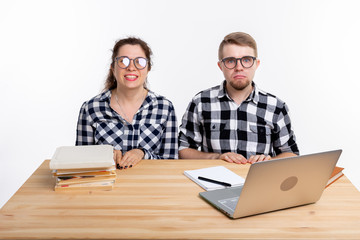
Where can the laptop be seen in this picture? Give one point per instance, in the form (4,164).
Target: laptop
(276,184)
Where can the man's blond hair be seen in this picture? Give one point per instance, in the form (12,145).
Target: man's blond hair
(238,38)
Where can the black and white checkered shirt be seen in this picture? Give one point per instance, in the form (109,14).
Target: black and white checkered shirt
(154,127)
(213,122)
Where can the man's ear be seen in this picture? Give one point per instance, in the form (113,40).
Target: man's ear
(257,63)
(219,65)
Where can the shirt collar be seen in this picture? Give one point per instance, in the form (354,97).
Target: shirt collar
(106,96)
(151,97)
(254,95)
(222,90)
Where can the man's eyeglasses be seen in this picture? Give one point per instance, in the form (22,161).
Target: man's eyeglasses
(246,62)
(124,62)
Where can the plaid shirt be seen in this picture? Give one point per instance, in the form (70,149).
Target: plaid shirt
(213,122)
(154,127)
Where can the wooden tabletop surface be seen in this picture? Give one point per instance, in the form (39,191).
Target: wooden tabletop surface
(154,200)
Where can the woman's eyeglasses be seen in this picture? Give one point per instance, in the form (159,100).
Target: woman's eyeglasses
(124,62)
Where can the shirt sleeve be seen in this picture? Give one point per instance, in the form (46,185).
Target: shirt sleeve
(190,135)
(284,138)
(84,131)
(169,139)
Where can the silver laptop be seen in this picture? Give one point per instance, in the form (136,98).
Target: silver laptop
(276,184)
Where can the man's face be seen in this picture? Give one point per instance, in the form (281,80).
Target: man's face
(238,78)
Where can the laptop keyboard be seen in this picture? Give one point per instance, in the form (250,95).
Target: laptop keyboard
(229,203)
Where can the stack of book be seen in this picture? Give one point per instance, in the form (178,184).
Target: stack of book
(83,168)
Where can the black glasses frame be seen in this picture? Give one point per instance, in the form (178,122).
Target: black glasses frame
(236,61)
(131,59)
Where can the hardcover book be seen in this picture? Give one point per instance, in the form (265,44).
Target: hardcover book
(336,174)
(74,157)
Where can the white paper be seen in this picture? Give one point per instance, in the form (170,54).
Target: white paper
(218,173)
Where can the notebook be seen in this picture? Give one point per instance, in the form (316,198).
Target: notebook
(276,184)
(215,173)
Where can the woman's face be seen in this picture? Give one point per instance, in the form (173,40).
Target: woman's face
(130,77)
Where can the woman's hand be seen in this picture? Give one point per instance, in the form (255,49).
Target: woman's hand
(129,159)
(117,158)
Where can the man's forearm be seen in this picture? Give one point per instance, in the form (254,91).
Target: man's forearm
(189,153)
(284,155)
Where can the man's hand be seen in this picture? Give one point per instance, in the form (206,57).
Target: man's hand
(238,158)
(258,158)
(228,156)
(233,158)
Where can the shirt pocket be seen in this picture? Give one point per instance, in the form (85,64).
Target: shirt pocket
(109,132)
(260,129)
(259,139)
(150,136)
(215,131)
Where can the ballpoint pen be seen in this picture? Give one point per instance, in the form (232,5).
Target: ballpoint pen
(214,181)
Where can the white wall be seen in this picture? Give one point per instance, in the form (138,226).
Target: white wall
(54,55)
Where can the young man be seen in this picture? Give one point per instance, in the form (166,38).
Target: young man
(236,121)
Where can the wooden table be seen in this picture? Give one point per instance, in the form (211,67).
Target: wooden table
(155,200)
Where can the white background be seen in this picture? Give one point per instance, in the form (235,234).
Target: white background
(54,55)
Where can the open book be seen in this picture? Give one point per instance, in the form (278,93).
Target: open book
(218,173)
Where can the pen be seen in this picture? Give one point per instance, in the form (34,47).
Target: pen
(214,181)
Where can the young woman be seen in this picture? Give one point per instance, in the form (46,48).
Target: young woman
(137,122)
